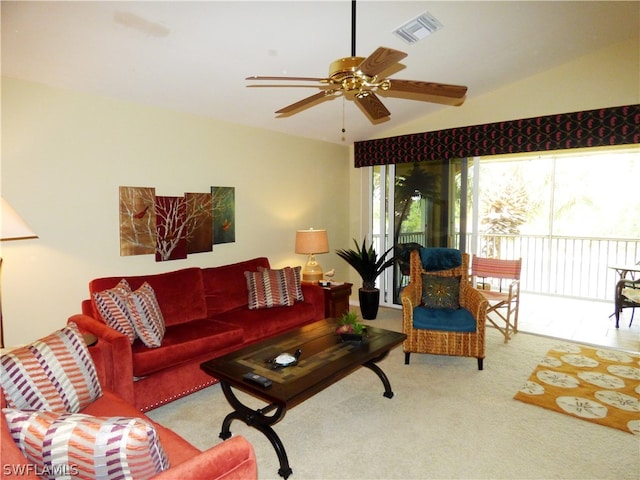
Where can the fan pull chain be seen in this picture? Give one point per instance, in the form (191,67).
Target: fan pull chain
(343,121)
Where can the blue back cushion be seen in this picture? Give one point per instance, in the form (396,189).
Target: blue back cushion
(445,319)
(439,258)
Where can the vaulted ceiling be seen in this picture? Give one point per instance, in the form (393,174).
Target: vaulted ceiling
(195,56)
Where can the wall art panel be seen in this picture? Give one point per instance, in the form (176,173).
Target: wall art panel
(137,220)
(171,225)
(224,215)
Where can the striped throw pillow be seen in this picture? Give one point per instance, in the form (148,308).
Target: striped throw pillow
(54,373)
(267,289)
(75,445)
(148,321)
(294,282)
(293,278)
(113,307)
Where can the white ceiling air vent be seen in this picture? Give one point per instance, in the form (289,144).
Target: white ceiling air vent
(418,28)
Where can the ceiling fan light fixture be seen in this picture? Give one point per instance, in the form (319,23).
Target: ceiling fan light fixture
(344,68)
(418,28)
(356,78)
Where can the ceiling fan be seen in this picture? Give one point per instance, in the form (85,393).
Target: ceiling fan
(357,78)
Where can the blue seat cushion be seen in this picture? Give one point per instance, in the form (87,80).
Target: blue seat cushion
(445,319)
(438,258)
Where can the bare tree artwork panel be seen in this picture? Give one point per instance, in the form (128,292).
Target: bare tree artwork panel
(199,222)
(224,215)
(171,228)
(137,220)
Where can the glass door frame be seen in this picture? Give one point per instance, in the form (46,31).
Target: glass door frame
(384,224)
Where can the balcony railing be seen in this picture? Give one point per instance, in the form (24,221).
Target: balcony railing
(559,265)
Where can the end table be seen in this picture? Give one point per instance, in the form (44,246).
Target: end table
(336,299)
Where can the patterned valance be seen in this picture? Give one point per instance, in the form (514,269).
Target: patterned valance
(593,128)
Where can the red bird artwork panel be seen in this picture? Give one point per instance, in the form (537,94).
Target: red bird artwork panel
(137,221)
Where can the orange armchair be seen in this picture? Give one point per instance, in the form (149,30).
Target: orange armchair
(233,459)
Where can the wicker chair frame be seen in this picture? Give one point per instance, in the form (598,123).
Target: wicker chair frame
(622,301)
(441,342)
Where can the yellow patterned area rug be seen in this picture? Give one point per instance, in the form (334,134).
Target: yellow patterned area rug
(594,384)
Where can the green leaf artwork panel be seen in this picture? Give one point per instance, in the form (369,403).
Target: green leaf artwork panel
(224,213)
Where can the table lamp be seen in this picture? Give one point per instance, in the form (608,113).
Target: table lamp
(12,227)
(311,242)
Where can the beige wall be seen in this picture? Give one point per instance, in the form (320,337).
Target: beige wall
(607,78)
(65,154)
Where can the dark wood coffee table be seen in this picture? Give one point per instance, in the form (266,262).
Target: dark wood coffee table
(324,360)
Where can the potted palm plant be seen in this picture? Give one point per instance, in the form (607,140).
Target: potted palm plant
(366,262)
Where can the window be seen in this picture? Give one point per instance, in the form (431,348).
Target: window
(568,214)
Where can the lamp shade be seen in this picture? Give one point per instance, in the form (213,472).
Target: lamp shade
(312,241)
(12,227)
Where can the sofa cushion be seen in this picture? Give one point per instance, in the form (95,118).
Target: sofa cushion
(264,323)
(440,292)
(180,293)
(225,287)
(84,446)
(267,288)
(54,373)
(184,342)
(445,319)
(113,306)
(147,318)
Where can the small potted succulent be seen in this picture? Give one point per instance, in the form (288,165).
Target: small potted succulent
(349,328)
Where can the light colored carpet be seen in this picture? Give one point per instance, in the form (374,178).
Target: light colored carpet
(447,420)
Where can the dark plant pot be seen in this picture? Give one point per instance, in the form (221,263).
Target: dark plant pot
(352,337)
(369,303)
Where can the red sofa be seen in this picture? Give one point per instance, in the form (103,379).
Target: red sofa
(233,459)
(206,315)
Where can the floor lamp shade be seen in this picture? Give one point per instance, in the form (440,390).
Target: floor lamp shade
(12,227)
(311,242)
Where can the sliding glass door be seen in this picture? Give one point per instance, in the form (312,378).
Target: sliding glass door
(417,205)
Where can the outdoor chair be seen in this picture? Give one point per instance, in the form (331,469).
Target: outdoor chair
(627,296)
(442,313)
(504,303)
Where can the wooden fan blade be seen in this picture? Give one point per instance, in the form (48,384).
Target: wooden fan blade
(294,79)
(372,105)
(427,88)
(305,101)
(380,60)
(294,85)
